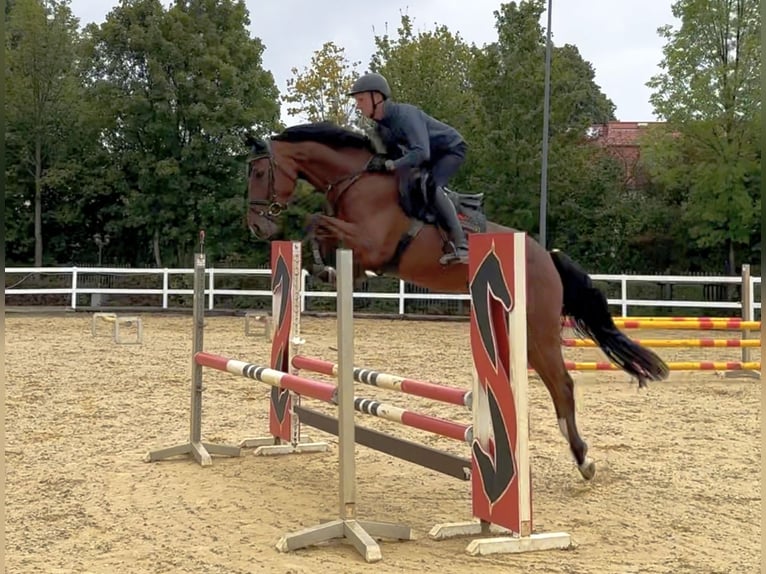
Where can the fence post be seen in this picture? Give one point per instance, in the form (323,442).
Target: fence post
(74,287)
(753,281)
(401,297)
(211,287)
(624,295)
(747,306)
(165,286)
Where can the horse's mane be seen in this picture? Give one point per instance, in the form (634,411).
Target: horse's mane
(326,133)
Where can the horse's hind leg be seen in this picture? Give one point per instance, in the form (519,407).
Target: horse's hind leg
(548,361)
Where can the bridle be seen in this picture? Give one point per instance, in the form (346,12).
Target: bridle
(270,208)
(273,207)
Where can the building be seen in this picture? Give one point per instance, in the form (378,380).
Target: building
(622,140)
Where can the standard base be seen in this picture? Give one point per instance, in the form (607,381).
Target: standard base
(359,533)
(742,374)
(269,446)
(518,544)
(201,451)
(257,317)
(116,321)
(128,320)
(460,529)
(507,543)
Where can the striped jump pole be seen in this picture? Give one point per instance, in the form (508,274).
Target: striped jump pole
(674,343)
(726,325)
(422,389)
(678,366)
(327,392)
(306,387)
(678,319)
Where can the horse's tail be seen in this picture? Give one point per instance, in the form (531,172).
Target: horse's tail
(590,312)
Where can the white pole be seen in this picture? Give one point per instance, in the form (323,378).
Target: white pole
(346,438)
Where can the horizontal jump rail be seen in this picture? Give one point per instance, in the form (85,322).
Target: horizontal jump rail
(728,325)
(680,366)
(673,342)
(306,387)
(680,319)
(327,392)
(420,454)
(386,381)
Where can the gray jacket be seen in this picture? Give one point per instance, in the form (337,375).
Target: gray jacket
(407,129)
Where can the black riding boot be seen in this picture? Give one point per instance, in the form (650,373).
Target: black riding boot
(450,222)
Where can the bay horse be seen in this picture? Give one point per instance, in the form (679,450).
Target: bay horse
(368,217)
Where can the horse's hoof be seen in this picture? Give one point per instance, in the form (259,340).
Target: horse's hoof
(587,469)
(327,275)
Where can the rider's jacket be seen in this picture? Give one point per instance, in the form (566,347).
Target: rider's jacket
(409,132)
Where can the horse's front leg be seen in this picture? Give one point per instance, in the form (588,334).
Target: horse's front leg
(333,233)
(348,235)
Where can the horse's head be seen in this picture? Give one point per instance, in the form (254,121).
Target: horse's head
(270,186)
(324,154)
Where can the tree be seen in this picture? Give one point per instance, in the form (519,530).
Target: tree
(508,78)
(430,69)
(493,95)
(709,95)
(319,93)
(179,90)
(42,104)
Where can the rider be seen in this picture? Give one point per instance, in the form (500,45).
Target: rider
(427,142)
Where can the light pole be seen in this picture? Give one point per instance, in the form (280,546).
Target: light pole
(95,298)
(100,243)
(546,114)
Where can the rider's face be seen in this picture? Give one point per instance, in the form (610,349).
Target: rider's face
(364,103)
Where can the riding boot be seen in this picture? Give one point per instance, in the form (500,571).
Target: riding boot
(450,222)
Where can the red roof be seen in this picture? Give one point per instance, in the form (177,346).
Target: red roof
(619,134)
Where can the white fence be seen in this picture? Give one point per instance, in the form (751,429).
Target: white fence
(748,307)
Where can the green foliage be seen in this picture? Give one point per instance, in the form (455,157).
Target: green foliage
(319,93)
(508,78)
(709,94)
(42,103)
(430,69)
(179,89)
(133,128)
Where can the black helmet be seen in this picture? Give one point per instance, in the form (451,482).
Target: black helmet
(371,83)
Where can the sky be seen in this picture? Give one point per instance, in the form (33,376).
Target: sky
(618,37)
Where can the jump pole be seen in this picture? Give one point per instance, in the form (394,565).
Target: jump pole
(201,451)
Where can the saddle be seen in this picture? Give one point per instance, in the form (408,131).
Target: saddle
(415,190)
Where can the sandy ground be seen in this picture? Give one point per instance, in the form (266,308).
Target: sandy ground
(677,486)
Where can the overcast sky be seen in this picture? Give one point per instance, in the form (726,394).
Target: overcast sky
(618,37)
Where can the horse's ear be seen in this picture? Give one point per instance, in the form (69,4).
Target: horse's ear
(256,145)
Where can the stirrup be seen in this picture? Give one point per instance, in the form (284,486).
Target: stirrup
(456,256)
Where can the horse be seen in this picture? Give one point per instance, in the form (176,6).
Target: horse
(370,214)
